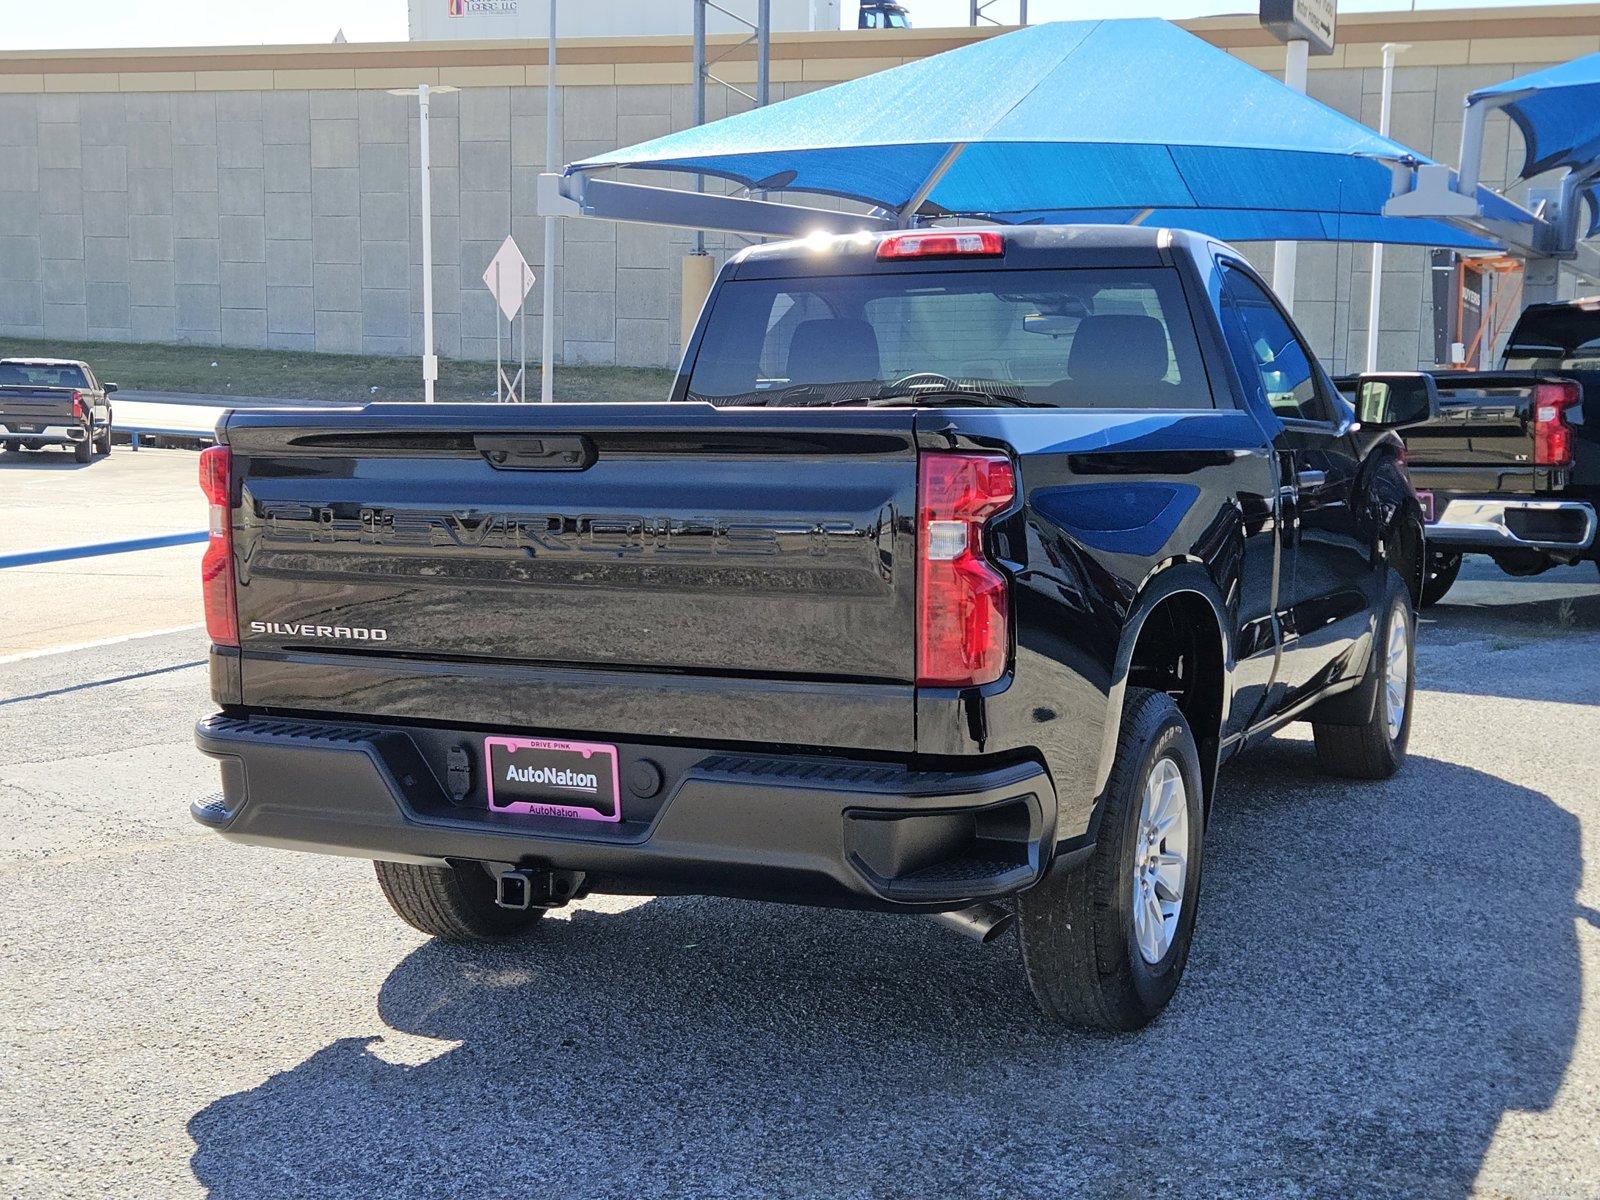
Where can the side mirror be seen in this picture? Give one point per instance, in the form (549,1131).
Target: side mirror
(108,388)
(1395,399)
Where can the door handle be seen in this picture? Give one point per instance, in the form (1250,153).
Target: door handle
(1310,480)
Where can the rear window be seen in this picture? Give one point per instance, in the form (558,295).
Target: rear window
(1556,337)
(1082,338)
(43,375)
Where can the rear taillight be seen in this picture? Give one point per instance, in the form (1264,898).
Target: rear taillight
(79,412)
(216,569)
(976,243)
(1552,435)
(962,636)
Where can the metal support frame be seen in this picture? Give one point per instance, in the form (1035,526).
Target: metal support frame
(1546,235)
(908,211)
(978,14)
(1472,128)
(761,38)
(581,196)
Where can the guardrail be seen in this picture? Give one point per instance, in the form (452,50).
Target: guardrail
(135,432)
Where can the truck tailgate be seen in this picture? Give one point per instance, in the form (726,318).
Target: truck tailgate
(36,407)
(644,537)
(1482,439)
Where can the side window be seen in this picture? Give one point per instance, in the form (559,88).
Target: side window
(1276,356)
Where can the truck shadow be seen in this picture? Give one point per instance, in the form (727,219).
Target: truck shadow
(41,460)
(1383,973)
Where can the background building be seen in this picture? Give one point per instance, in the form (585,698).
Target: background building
(438,20)
(267,196)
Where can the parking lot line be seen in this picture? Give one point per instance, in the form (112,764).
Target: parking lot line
(45,651)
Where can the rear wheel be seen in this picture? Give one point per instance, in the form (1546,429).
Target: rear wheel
(102,444)
(1442,568)
(1104,943)
(83,451)
(455,903)
(13,446)
(1375,748)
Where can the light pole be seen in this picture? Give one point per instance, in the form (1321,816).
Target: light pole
(1375,291)
(430,360)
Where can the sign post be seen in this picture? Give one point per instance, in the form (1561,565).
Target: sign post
(1306,27)
(1309,21)
(509,279)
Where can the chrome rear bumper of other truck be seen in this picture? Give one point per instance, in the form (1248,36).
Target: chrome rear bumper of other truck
(1495,523)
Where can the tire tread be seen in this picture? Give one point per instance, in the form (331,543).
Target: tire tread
(435,901)
(1364,751)
(1072,943)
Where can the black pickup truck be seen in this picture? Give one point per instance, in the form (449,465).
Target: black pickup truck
(954,569)
(1509,466)
(54,402)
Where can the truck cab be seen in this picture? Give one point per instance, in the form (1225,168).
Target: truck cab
(883,14)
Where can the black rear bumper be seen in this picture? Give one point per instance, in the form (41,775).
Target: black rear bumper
(775,827)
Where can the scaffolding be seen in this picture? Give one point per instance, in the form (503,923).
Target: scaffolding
(978,13)
(760,36)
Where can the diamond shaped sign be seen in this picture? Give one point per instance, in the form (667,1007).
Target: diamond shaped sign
(509,278)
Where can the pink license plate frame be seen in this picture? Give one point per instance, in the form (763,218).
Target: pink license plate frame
(597,759)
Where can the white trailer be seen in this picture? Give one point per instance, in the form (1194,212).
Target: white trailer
(439,20)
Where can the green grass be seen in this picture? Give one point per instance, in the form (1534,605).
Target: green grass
(223,371)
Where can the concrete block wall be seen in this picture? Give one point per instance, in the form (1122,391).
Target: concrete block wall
(289,219)
(279,208)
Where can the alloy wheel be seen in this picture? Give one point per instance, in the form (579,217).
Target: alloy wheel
(1161,860)
(1397,673)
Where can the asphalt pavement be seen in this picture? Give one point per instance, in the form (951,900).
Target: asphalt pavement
(1393,990)
(48,502)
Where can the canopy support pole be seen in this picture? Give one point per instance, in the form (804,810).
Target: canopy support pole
(1375,284)
(908,210)
(1285,255)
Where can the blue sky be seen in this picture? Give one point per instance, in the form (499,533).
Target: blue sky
(41,24)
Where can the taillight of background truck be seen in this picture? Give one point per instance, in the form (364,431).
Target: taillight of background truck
(79,412)
(1552,435)
(216,568)
(962,635)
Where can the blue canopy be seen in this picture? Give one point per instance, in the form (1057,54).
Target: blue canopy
(1070,121)
(1558,111)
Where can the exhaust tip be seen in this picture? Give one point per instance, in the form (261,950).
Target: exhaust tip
(983,923)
